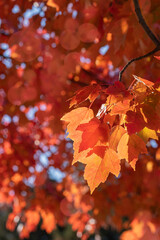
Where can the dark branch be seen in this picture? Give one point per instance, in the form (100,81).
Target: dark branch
(150,34)
(137,59)
(144,24)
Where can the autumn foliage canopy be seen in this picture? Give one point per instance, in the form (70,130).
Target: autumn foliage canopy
(80,116)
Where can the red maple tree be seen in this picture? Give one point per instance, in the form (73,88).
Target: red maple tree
(99,58)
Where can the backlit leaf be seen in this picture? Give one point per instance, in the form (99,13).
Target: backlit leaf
(93,132)
(75,118)
(130,147)
(98,169)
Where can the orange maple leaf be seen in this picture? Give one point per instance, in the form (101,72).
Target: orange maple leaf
(144,81)
(98,169)
(93,131)
(130,147)
(116,134)
(75,118)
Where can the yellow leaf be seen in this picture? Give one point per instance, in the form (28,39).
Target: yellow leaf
(147,133)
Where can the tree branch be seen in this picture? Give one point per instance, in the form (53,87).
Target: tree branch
(141,20)
(137,59)
(150,34)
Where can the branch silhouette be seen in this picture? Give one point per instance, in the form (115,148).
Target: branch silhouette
(150,34)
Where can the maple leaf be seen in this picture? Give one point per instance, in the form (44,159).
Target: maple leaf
(93,132)
(119,98)
(116,89)
(75,118)
(134,122)
(116,133)
(144,81)
(121,107)
(147,133)
(150,110)
(140,92)
(109,119)
(98,169)
(90,92)
(130,147)
(98,150)
(79,156)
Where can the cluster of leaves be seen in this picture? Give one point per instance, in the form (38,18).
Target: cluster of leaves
(55,50)
(120,130)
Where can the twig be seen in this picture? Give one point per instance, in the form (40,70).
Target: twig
(137,59)
(150,34)
(144,24)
